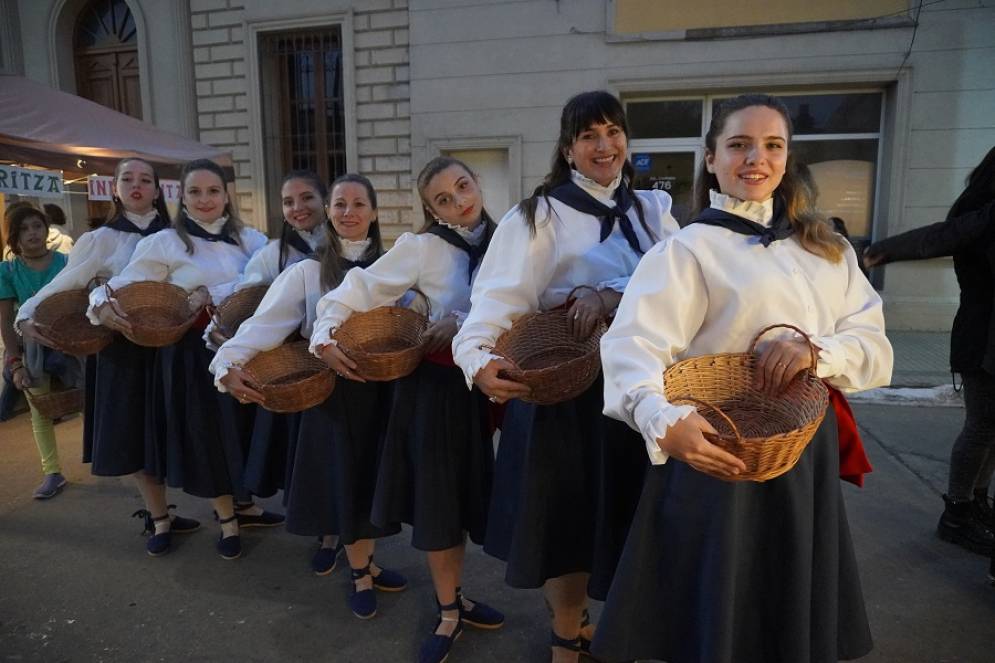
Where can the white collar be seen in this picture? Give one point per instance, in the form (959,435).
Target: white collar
(761,213)
(355,249)
(141,220)
(473,235)
(313,238)
(601,193)
(213,227)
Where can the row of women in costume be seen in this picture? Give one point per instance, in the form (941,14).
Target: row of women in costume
(693,568)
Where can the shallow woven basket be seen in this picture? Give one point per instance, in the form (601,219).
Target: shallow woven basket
(548,358)
(57,404)
(158,312)
(768,433)
(238,307)
(290,378)
(385,343)
(61,318)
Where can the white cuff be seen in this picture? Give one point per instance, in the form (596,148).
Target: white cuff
(220,369)
(98,297)
(476,363)
(654,415)
(832,357)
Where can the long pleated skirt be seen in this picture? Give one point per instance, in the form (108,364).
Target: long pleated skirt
(335,463)
(269,446)
(202,435)
(118,428)
(739,572)
(567,482)
(438,459)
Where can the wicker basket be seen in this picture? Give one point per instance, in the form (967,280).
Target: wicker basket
(385,343)
(548,358)
(290,378)
(57,404)
(768,433)
(61,318)
(234,310)
(159,313)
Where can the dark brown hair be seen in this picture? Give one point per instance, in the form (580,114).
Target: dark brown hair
(16,215)
(118,208)
(812,230)
(374,235)
(980,187)
(581,112)
(433,168)
(233,226)
(319,187)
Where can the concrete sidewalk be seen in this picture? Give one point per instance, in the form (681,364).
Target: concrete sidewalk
(76,584)
(922,359)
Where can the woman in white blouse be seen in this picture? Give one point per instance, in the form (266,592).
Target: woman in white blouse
(206,249)
(336,450)
(566,480)
(729,571)
(116,411)
(437,461)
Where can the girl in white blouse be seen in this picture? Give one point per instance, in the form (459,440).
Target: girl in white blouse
(116,411)
(719,570)
(206,249)
(335,449)
(436,466)
(563,490)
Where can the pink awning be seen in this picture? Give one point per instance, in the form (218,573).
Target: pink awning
(46,127)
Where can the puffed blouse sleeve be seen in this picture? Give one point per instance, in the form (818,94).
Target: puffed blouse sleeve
(280,313)
(515,271)
(87,259)
(380,284)
(857,355)
(662,309)
(150,262)
(262,268)
(656,211)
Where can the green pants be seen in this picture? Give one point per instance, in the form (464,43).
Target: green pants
(44,431)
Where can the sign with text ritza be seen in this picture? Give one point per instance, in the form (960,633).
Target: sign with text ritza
(30,182)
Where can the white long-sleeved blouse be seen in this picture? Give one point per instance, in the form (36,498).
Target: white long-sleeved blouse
(103,252)
(163,257)
(709,290)
(264,266)
(521,273)
(422,261)
(289,305)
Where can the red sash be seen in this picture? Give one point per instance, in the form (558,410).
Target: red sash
(854,463)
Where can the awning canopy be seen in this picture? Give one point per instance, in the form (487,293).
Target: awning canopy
(46,127)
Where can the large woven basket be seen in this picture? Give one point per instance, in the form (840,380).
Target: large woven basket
(386,343)
(61,318)
(57,404)
(548,358)
(768,433)
(159,313)
(238,307)
(290,378)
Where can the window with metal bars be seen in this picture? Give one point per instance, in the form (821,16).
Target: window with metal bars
(302,104)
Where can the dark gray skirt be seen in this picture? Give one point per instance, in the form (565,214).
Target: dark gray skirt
(438,459)
(269,446)
(333,472)
(117,422)
(720,572)
(567,481)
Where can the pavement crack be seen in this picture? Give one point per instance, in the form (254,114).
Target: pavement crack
(898,458)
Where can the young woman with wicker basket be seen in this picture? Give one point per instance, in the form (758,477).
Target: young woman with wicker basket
(30,268)
(335,450)
(563,482)
(116,410)
(436,464)
(718,569)
(194,442)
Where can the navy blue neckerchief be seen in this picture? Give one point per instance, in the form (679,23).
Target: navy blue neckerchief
(780,227)
(125,225)
(194,229)
(295,240)
(362,263)
(571,195)
(475,253)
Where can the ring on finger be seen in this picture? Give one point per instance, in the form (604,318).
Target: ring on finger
(493,399)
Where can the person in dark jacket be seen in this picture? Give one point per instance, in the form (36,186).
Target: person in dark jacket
(968,234)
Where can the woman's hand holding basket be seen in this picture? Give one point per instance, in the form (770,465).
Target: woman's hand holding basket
(239,384)
(685,441)
(340,362)
(780,362)
(112,318)
(499,390)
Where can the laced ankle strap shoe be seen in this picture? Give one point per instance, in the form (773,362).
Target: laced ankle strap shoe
(264,519)
(229,547)
(387,580)
(362,602)
(324,559)
(480,615)
(436,648)
(157,544)
(181,525)
(573,645)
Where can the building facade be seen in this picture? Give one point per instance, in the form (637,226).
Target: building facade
(893,100)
